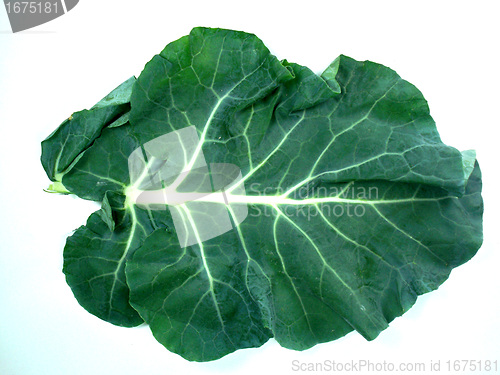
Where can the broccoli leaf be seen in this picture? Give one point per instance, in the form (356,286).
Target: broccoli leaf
(245,198)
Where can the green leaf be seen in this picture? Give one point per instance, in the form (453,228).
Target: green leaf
(67,143)
(245,198)
(96,254)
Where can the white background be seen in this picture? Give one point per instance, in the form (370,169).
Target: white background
(448,49)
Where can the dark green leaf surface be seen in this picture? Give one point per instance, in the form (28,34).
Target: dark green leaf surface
(354,205)
(77,133)
(96,254)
